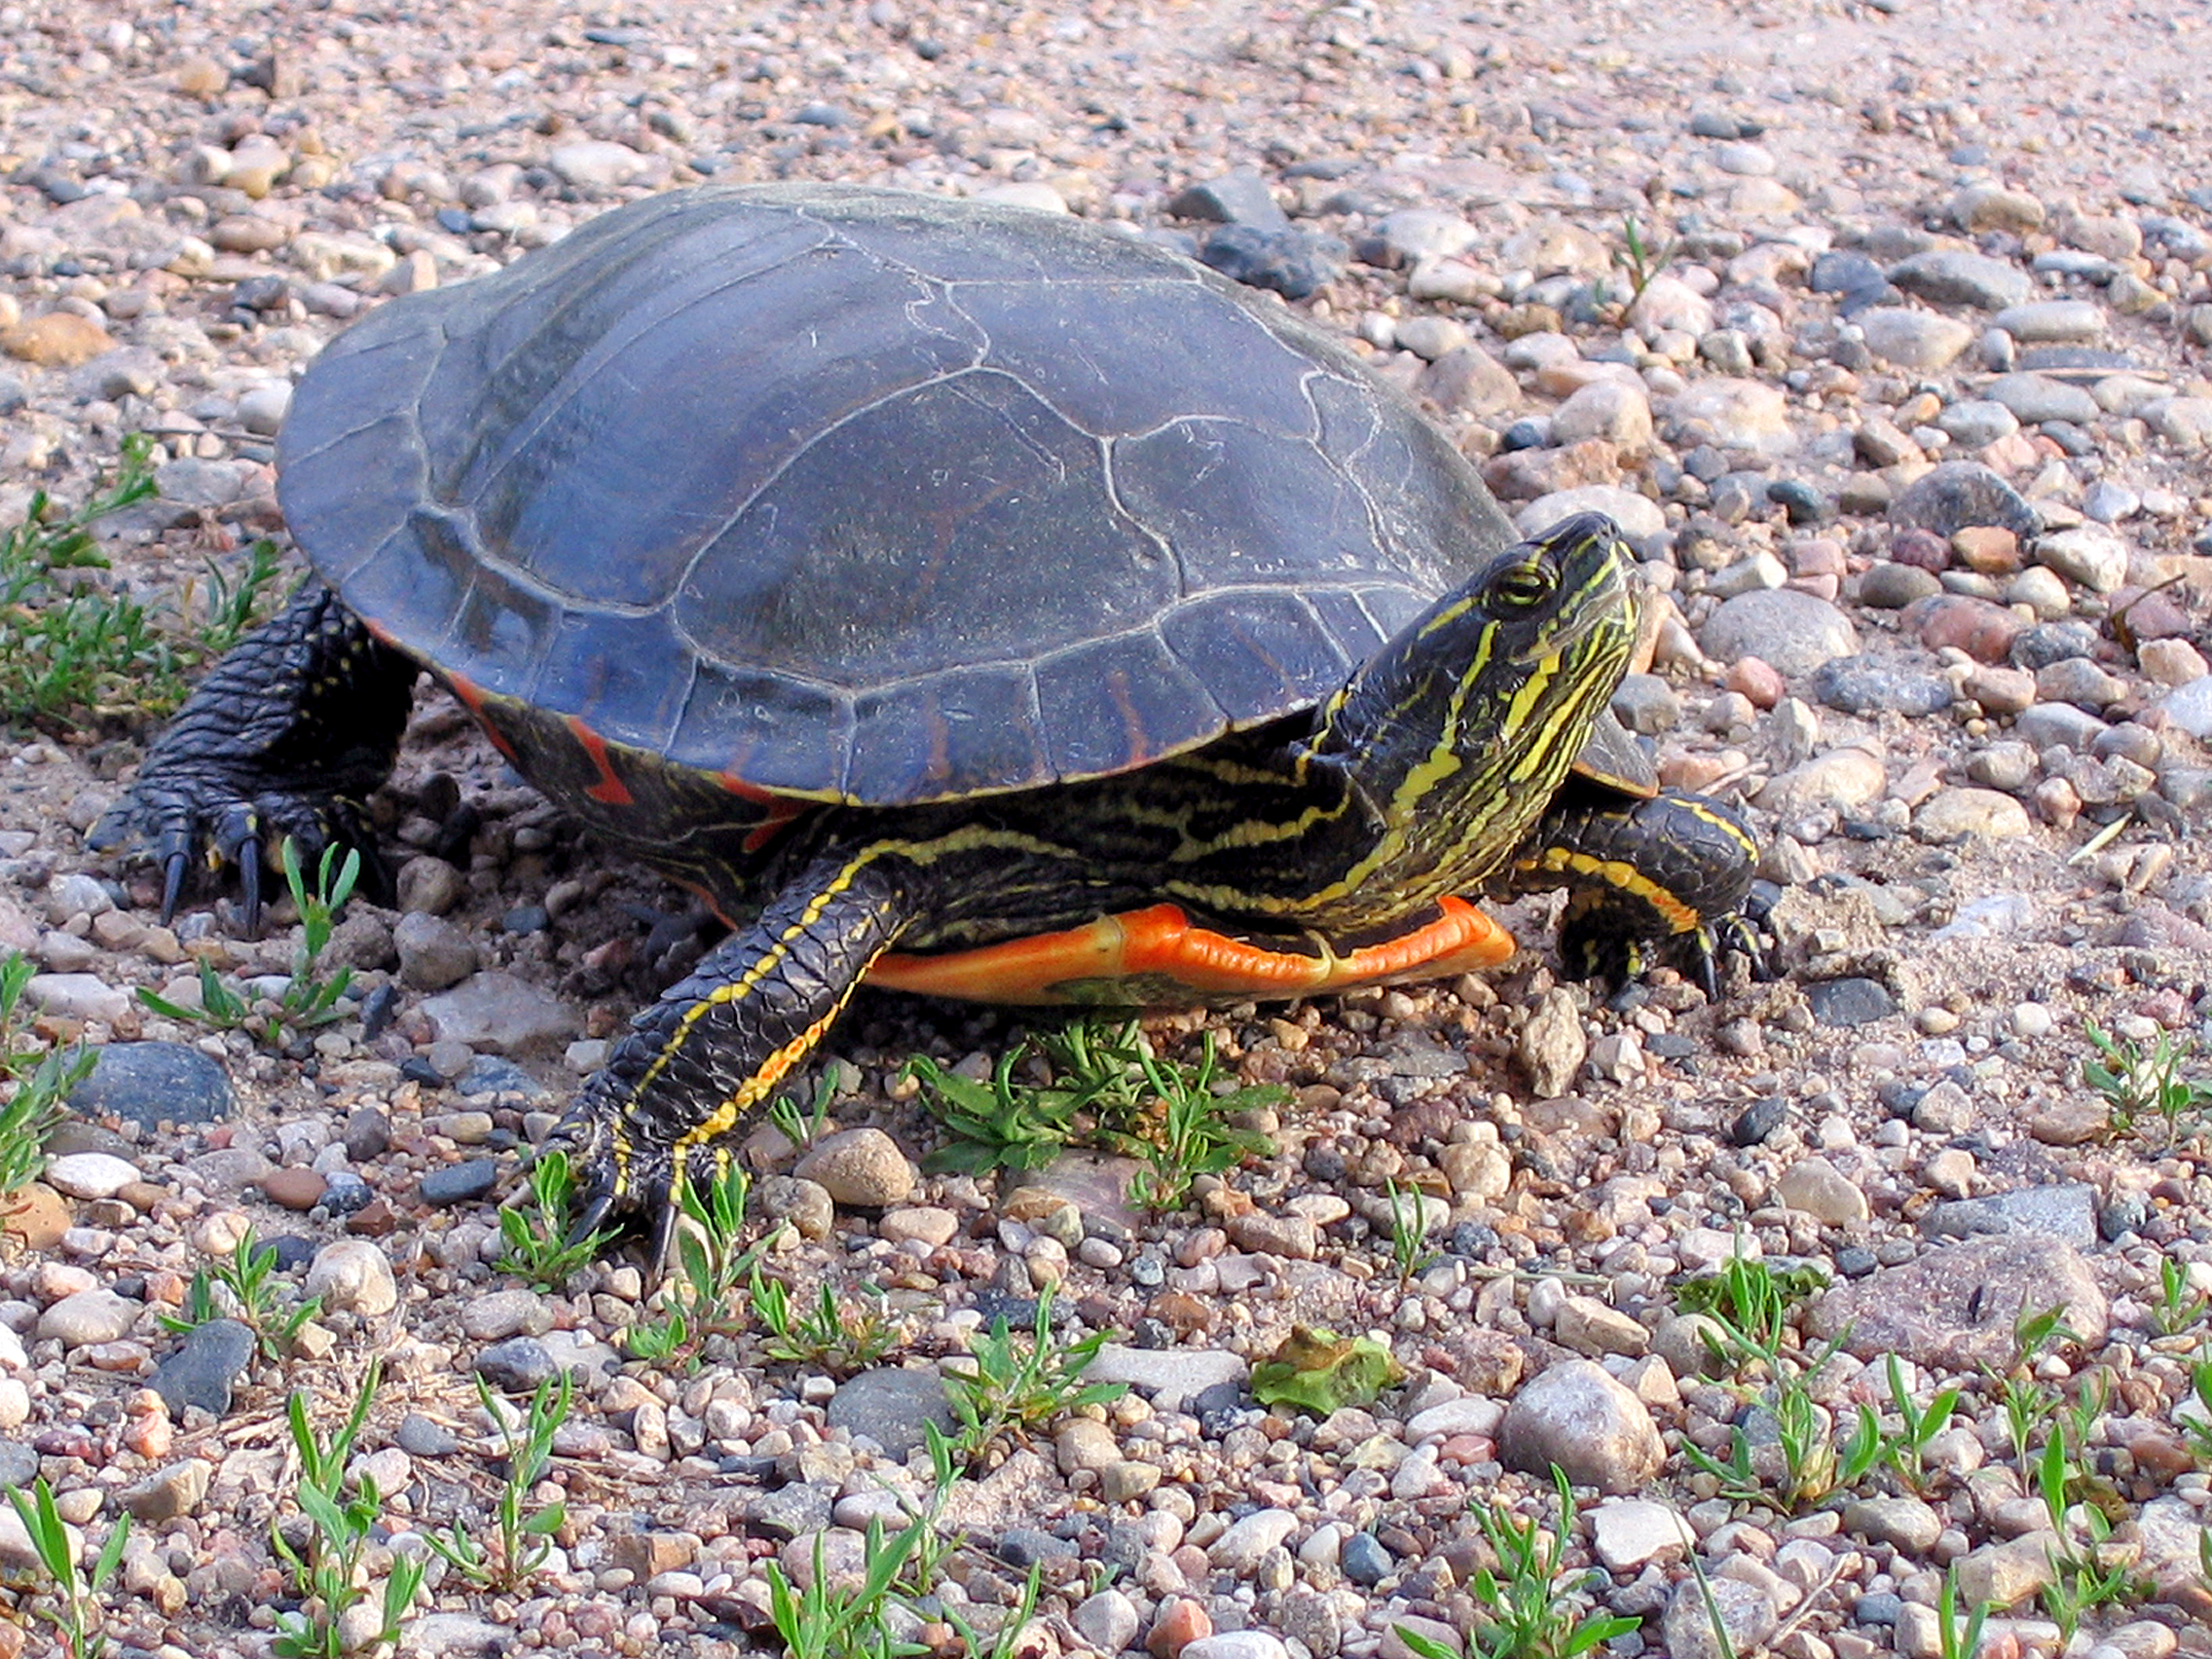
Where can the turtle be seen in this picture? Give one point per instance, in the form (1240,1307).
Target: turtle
(963,599)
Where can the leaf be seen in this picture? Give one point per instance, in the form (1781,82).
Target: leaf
(1319,1372)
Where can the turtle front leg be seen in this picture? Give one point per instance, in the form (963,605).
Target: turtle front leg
(699,1061)
(284,738)
(1675,872)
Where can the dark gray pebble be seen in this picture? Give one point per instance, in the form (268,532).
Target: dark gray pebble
(200,1372)
(2124,1213)
(1840,270)
(1878,1608)
(526,919)
(1218,1399)
(517,1365)
(1803,504)
(488,1073)
(293,1252)
(1959,494)
(891,1406)
(1856,1260)
(368,1133)
(1025,1547)
(18,1464)
(1861,685)
(1290,262)
(1240,198)
(377,1010)
(1849,1002)
(150,1083)
(1364,1560)
(346,1193)
(1759,1120)
(2064,1210)
(461,1183)
(2036,648)
(420,1437)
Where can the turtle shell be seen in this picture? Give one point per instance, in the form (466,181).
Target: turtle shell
(858,494)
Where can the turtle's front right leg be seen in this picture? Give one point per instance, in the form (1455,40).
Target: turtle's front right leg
(285,737)
(681,1086)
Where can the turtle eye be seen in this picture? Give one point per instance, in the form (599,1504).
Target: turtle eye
(1523,585)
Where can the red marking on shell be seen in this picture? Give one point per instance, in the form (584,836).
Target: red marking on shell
(609,790)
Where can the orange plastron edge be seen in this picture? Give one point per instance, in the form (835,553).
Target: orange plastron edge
(1160,954)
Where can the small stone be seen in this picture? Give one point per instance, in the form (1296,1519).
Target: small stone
(1793,632)
(1989,206)
(167,1494)
(861,1169)
(500,1013)
(1240,197)
(1954,814)
(1552,1044)
(88,1317)
(1083,1442)
(461,1183)
(2171,662)
(199,1373)
(1924,342)
(1239,1550)
(597,164)
(1889,585)
(891,1407)
(1962,493)
(1815,1187)
(2035,398)
(1847,1003)
(1842,779)
(353,1275)
(502,1313)
(1630,1534)
(1950,277)
(433,952)
(1108,1621)
(2186,422)
(1605,409)
(1744,1612)
(294,1189)
(2090,554)
(1732,414)
(56,340)
(1468,380)
(90,1174)
(1977,422)
(1576,1416)
(1289,261)
(1952,1309)
(517,1365)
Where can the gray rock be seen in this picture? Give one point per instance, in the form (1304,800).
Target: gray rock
(1291,262)
(1746,1616)
(503,1014)
(2081,682)
(1638,515)
(90,1174)
(1948,277)
(461,1183)
(1239,1550)
(502,1313)
(2045,724)
(1629,1534)
(1954,1309)
(434,953)
(1576,1416)
(1962,493)
(1846,1002)
(87,1317)
(1889,585)
(1468,380)
(597,164)
(1647,704)
(420,1436)
(1815,1187)
(2190,707)
(1414,234)
(1551,1044)
(1902,1523)
(517,1365)
(889,1407)
(167,1494)
(2043,320)
(1240,197)
(1790,631)
(1870,686)
(1365,1559)
(1956,814)
(2035,398)
(77,996)
(1908,337)
(1976,422)
(2067,1212)
(1171,1376)
(1108,1621)
(1841,779)
(200,1372)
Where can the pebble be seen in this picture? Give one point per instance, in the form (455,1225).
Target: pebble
(891,1407)
(150,1083)
(463,1183)
(499,1014)
(1924,342)
(199,1374)
(1945,277)
(433,952)
(862,1169)
(90,1174)
(353,1275)
(88,1317)
(1577,1416)
(517,1365)
(1790,631)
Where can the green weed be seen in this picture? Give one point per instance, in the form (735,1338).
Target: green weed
(536,1233)
(524,1531)
(308,999)
(246,1288)
(1409,1232)
(1956,1639)
(75,1588)
(37,1082)
(1006,1385)
(2134,1083)
(2084,1575)
(710,1293)
(1534,1606)
(802,1128)
(826,1333)
(328,1572)
(2178,1306)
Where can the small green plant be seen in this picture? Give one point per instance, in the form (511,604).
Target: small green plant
(2029,1402)
(709,1296)
(539,1247)
(1534,1606)
(328,1571)
(36,1083)
(1004,1386)
(1639,259)
(1906,1450)
(246,1288)
(2179,1306)
(308,999)
(1954,1638)
(524,1530)
(232,607)
(828,1334)
(75,1588)
(1108,1089)
(2197,1426)
(802,1128)
(1750,1305)
(1409,1232)
(2133,1083)
(2083,1575)
(830,1621)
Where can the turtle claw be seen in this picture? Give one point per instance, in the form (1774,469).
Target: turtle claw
(173,868)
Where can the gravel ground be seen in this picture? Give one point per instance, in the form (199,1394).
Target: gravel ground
(1910,423)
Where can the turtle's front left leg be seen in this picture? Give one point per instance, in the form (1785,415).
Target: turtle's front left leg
(285,737)
(697,1063)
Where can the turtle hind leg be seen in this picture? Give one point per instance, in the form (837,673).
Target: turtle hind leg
(696,1065)
(284,738)
(1663,879)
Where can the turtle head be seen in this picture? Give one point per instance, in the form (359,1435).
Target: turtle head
(1457,732)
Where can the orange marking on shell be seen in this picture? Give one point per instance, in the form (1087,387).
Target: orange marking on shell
(609,790)
(472,698)
(780,809)
(1161,943)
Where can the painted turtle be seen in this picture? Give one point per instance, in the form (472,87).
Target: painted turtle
(966,599)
